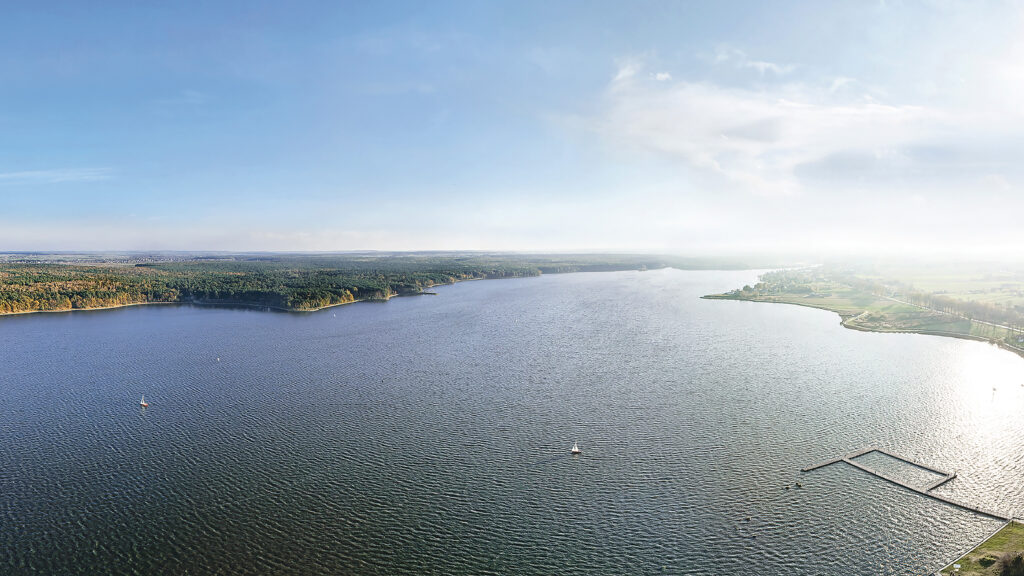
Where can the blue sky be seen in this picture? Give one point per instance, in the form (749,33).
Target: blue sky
(658,126)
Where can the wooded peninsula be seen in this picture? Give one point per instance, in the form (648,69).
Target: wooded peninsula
(293,282)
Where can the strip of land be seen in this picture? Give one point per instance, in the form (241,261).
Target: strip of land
(874,305)
(987,558)
(292,282)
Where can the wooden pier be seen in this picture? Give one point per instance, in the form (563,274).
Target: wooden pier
(909,461)
(822,464)
(940,482)
(849,456)
(923,490)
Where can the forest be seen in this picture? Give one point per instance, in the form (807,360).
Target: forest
(53,282)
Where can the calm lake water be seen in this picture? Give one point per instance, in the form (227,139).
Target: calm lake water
(430,435)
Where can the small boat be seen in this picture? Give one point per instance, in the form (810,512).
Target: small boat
(575,449)
(143,403)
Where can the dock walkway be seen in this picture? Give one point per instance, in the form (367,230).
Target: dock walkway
(923,490)
(849,456)
(912,462)
(940,482)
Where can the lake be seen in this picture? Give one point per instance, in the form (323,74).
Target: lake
(431,435)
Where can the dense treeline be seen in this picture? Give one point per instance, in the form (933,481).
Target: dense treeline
(287,282)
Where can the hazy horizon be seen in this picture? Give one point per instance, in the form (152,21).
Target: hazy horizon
(658,127)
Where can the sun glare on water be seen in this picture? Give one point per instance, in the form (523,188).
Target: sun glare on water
(988,388)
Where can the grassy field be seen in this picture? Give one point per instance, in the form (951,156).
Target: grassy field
(981,282)
(875,305)
(984,560)
(859,309)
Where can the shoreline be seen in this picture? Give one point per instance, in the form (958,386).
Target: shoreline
(843,318)
(240,303)
(96,309)
(214,304)
(969,559)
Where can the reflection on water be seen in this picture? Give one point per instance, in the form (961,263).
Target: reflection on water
(431,435)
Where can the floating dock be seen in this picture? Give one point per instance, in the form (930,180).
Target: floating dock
(940,482)
(909,461)
(922,490)
(849,456)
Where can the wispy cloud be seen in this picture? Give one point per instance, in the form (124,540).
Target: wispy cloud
(839,82)
(739,59)
(626,70)
(759,139)
(55,176)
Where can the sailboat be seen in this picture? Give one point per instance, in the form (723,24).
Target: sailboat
(575,449)
(143,403)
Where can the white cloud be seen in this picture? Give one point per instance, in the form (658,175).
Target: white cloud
(778,161)
(763,66)
(662,76)
(995,182)
(739,59)
(756,139)
(840,82)
(626,70)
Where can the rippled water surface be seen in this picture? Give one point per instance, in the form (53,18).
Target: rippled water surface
(430,435)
